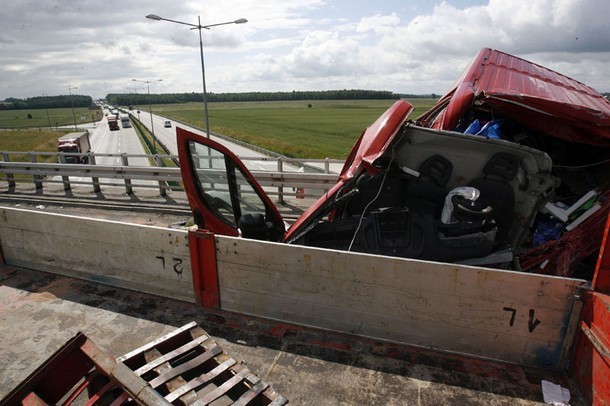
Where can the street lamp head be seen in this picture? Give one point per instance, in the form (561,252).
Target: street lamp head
(147,81)
(199,27)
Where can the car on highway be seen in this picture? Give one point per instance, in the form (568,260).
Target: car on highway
(167,124)
(505,171)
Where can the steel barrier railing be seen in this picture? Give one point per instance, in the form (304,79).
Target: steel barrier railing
(167,178)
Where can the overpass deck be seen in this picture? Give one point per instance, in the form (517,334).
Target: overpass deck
(40,311)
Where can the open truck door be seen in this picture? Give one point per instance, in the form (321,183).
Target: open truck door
(223,195)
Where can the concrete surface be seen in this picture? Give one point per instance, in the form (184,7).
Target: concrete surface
(40,311)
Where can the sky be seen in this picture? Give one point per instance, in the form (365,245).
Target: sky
(57,47)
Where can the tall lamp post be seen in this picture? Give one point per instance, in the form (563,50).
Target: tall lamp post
(73,114)
(152,125)
(199,27)
(135,89)
(46,107)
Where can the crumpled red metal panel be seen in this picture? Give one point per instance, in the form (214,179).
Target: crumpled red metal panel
(376,138)
(371,145)
(533,95)
(559,256)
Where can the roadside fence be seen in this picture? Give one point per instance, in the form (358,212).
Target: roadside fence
(34,167)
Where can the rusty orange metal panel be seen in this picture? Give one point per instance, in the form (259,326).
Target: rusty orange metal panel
(591,366)
(202,246)
(56,376)
(601,279)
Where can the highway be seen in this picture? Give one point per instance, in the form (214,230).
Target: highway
(168,137)
(104,141)
(126,140)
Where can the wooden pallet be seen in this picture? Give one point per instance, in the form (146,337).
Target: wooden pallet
(188,367)
(184,367)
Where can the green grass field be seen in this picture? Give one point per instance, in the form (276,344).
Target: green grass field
(328,128)
(30,140)
(12,119)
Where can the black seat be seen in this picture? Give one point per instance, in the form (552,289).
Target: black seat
(426,195)
(497,192)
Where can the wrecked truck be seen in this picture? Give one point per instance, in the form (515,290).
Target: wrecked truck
(508,170)
(486,242)
(409,192)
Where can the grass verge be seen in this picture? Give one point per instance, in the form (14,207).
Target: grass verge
(300,129)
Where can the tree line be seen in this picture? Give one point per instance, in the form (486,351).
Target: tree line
(46,102)
(123,99)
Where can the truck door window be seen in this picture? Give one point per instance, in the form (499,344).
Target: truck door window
(225,189)
(249,201)
(210,167)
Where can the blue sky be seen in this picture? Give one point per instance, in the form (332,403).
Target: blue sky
(402,46)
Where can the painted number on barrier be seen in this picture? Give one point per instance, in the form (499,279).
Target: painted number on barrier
(532,322)
(176,264)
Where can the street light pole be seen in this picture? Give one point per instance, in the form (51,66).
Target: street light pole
(72,101)
(135,89)
(199,27)
(152,125)
(46,107)
(205,93)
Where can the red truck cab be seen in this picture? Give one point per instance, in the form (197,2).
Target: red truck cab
(113,123)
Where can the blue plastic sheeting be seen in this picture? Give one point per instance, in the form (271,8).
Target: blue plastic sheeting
(548,229)
(491,129)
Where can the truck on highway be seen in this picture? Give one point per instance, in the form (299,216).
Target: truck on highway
(125,121)
(75,143)
(113,123)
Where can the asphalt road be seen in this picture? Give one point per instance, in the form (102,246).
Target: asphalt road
(104,141)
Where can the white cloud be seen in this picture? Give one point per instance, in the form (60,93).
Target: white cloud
(378,23)
(290,45)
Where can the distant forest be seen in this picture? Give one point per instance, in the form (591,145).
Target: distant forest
(126,99)
(46,102)
(123,99)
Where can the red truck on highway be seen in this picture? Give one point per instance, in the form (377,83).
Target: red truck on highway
(113,123)
(75,143)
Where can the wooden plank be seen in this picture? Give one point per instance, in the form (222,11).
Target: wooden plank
(200,380)
(222,389)
(187,366)
(171,355)
(156,342)
(251,394)
(144,258)
(279,401)
(503,315)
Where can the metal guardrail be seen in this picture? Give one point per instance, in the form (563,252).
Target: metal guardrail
(278,183)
